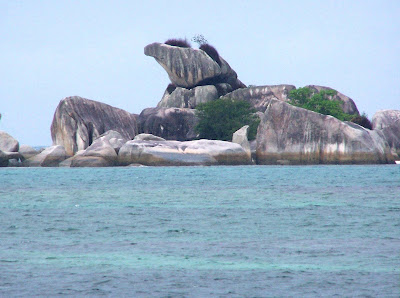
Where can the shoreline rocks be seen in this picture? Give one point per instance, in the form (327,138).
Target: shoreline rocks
(189,153)
(388,122)
(292,135)
(79,121)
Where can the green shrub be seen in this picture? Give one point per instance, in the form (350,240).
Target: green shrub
(319,102)
(178,42)
(362,120)
(219,119)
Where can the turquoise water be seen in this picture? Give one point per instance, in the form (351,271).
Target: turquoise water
(200,231)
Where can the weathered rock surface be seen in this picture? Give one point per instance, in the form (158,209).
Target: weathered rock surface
(78,121)
(188,67)
(241,137)
(114,138)
(6,157)
(50,157)
(147,137)
(388,122)
(188,98)
(259,96)
(293,135)
(168,123)
(102,153)
(27,151)
(8,143)
(174,153)
(348,104)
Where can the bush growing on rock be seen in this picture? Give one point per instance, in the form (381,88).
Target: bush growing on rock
(319,102)
(212,52)
(178,42)
(362,120)
(219,119)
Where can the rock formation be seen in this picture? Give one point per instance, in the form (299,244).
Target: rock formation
(289,134)
(8,143)
(168,123)
(259,96)
(103,152)
(188,67)
(50,157)
(195,76)
(174,153)
(388,122)
(6,157)
(241,137)
(179,97)
(78,121)
(27,151)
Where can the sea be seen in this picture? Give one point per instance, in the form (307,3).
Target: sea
(224,231)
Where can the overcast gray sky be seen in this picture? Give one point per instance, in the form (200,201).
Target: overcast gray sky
(94,49)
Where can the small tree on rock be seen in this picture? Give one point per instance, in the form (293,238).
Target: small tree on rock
(219,119)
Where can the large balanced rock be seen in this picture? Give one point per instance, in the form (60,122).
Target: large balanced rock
(8,143)
(50,157)
(78,121)
(259,96)
(188,67)
(174,153)
(168,123)
(388,122)
(348,105)
(293,135)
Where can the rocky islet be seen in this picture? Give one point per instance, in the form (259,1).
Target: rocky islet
(88,133)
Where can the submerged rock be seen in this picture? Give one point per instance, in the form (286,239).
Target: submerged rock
(293,135)
(78,122)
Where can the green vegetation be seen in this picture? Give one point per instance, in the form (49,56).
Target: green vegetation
(362,120)
(219,119)
(319,102)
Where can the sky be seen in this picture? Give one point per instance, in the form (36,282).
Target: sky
(50,50)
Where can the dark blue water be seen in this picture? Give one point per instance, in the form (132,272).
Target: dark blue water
(200,231)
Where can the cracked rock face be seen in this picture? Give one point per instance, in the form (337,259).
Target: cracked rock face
(293,135)
(388,122)
(78,122)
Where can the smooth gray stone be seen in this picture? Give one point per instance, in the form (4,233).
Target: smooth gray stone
(78,122)
(299,136)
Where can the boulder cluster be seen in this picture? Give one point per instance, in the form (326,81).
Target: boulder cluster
(88,133)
